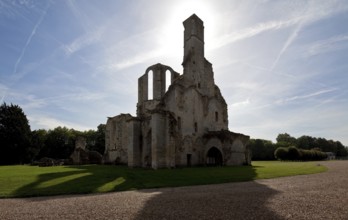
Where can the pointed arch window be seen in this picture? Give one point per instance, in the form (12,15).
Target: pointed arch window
(150,85)
(168,79)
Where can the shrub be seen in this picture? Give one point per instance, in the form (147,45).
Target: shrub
(312,155)
(281,153)
(293,153)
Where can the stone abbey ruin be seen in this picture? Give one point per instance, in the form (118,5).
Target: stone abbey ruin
(186,125)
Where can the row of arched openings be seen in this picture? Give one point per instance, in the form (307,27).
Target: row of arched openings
(214,157)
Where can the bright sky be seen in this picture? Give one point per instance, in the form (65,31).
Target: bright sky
(282,66)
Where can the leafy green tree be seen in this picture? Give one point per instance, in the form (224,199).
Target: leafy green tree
(38,139)
(15,135)
(262,149)
(308,143)
(342,151)
(96,139)
(270,147)
(285,140)
(305,142)
(345,152)
(324,145)
(59,143)
(257,149)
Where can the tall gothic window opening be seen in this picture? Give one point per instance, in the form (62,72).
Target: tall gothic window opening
(168,79)
(150,85)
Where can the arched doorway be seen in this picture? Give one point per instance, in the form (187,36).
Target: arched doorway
(214,157)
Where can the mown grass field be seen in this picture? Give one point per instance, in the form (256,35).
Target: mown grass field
(27,181)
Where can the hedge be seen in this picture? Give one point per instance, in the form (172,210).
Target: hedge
(293,153)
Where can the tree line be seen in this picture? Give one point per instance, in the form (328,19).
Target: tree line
(19,144)
(307,146)
(294,154)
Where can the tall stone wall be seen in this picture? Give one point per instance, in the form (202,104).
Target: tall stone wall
(117,139)
(183,125)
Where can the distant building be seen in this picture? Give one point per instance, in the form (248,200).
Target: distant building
(330,155)
(181,125)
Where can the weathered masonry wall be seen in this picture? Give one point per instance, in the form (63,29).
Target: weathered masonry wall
(117,139)
(182,120)
(158,82)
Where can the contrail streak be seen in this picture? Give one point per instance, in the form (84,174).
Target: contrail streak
(290,39)
(29,40)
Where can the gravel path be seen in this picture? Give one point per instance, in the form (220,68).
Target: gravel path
(316,196)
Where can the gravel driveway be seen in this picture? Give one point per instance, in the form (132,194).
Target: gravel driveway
(316,196)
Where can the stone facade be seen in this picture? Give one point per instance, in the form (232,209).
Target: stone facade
(81,155)
(183,124)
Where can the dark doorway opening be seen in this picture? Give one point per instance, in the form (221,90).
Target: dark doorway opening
(214,157)
(189,159)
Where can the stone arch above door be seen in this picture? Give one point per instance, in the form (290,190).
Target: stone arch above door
(214,157)
(213,152)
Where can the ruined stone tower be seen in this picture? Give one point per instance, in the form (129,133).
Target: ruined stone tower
(196,67)
(183,126)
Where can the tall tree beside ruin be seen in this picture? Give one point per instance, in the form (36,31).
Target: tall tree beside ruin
(100,139)
(38,140)
(285,140)
(14,135)
(59,143)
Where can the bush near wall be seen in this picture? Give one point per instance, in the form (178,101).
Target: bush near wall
(293,153)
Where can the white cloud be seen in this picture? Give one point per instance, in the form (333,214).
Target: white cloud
(78,13)
(252,31)
(128,52)
(83,41)
(303,14)
(46,122)
(299,97)
(242,103)
(139,58)
(328,45)
(13,8)
(248,41)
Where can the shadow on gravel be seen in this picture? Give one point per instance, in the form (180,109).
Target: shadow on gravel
(241,200)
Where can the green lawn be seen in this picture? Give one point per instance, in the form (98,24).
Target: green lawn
(24,181)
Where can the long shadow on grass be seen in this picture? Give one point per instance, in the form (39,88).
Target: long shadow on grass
(79,180)
(221,201)
(92,178)
(239,200)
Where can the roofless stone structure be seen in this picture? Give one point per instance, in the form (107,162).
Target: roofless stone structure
(183,124)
